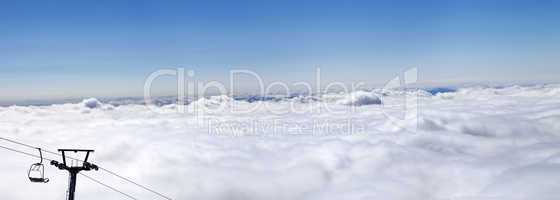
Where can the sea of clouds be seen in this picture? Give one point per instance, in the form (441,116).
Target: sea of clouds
(470,143)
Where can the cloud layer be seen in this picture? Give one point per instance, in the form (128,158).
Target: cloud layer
(471,143)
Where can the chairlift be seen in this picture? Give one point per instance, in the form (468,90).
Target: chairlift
(36,172)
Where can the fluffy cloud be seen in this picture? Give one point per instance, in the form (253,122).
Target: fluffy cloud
(360,98)
(473,143)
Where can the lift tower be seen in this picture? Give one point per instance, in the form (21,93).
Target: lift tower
(74,167)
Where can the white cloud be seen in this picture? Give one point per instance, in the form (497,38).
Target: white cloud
(476,143)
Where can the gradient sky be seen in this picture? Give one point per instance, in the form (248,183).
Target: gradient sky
(60,49)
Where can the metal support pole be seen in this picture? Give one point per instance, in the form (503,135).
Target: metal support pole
(72,185)
(73,170)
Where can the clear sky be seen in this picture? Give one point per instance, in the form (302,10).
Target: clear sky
(55,49)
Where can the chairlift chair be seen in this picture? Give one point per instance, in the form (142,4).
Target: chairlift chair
(36,172)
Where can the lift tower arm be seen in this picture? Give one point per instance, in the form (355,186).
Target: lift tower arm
(73,170)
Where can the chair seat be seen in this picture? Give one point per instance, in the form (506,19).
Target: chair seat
(39,180)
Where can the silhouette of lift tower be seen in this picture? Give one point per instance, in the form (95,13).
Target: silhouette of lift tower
(74,167)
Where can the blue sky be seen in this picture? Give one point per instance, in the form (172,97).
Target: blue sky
(60,49)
